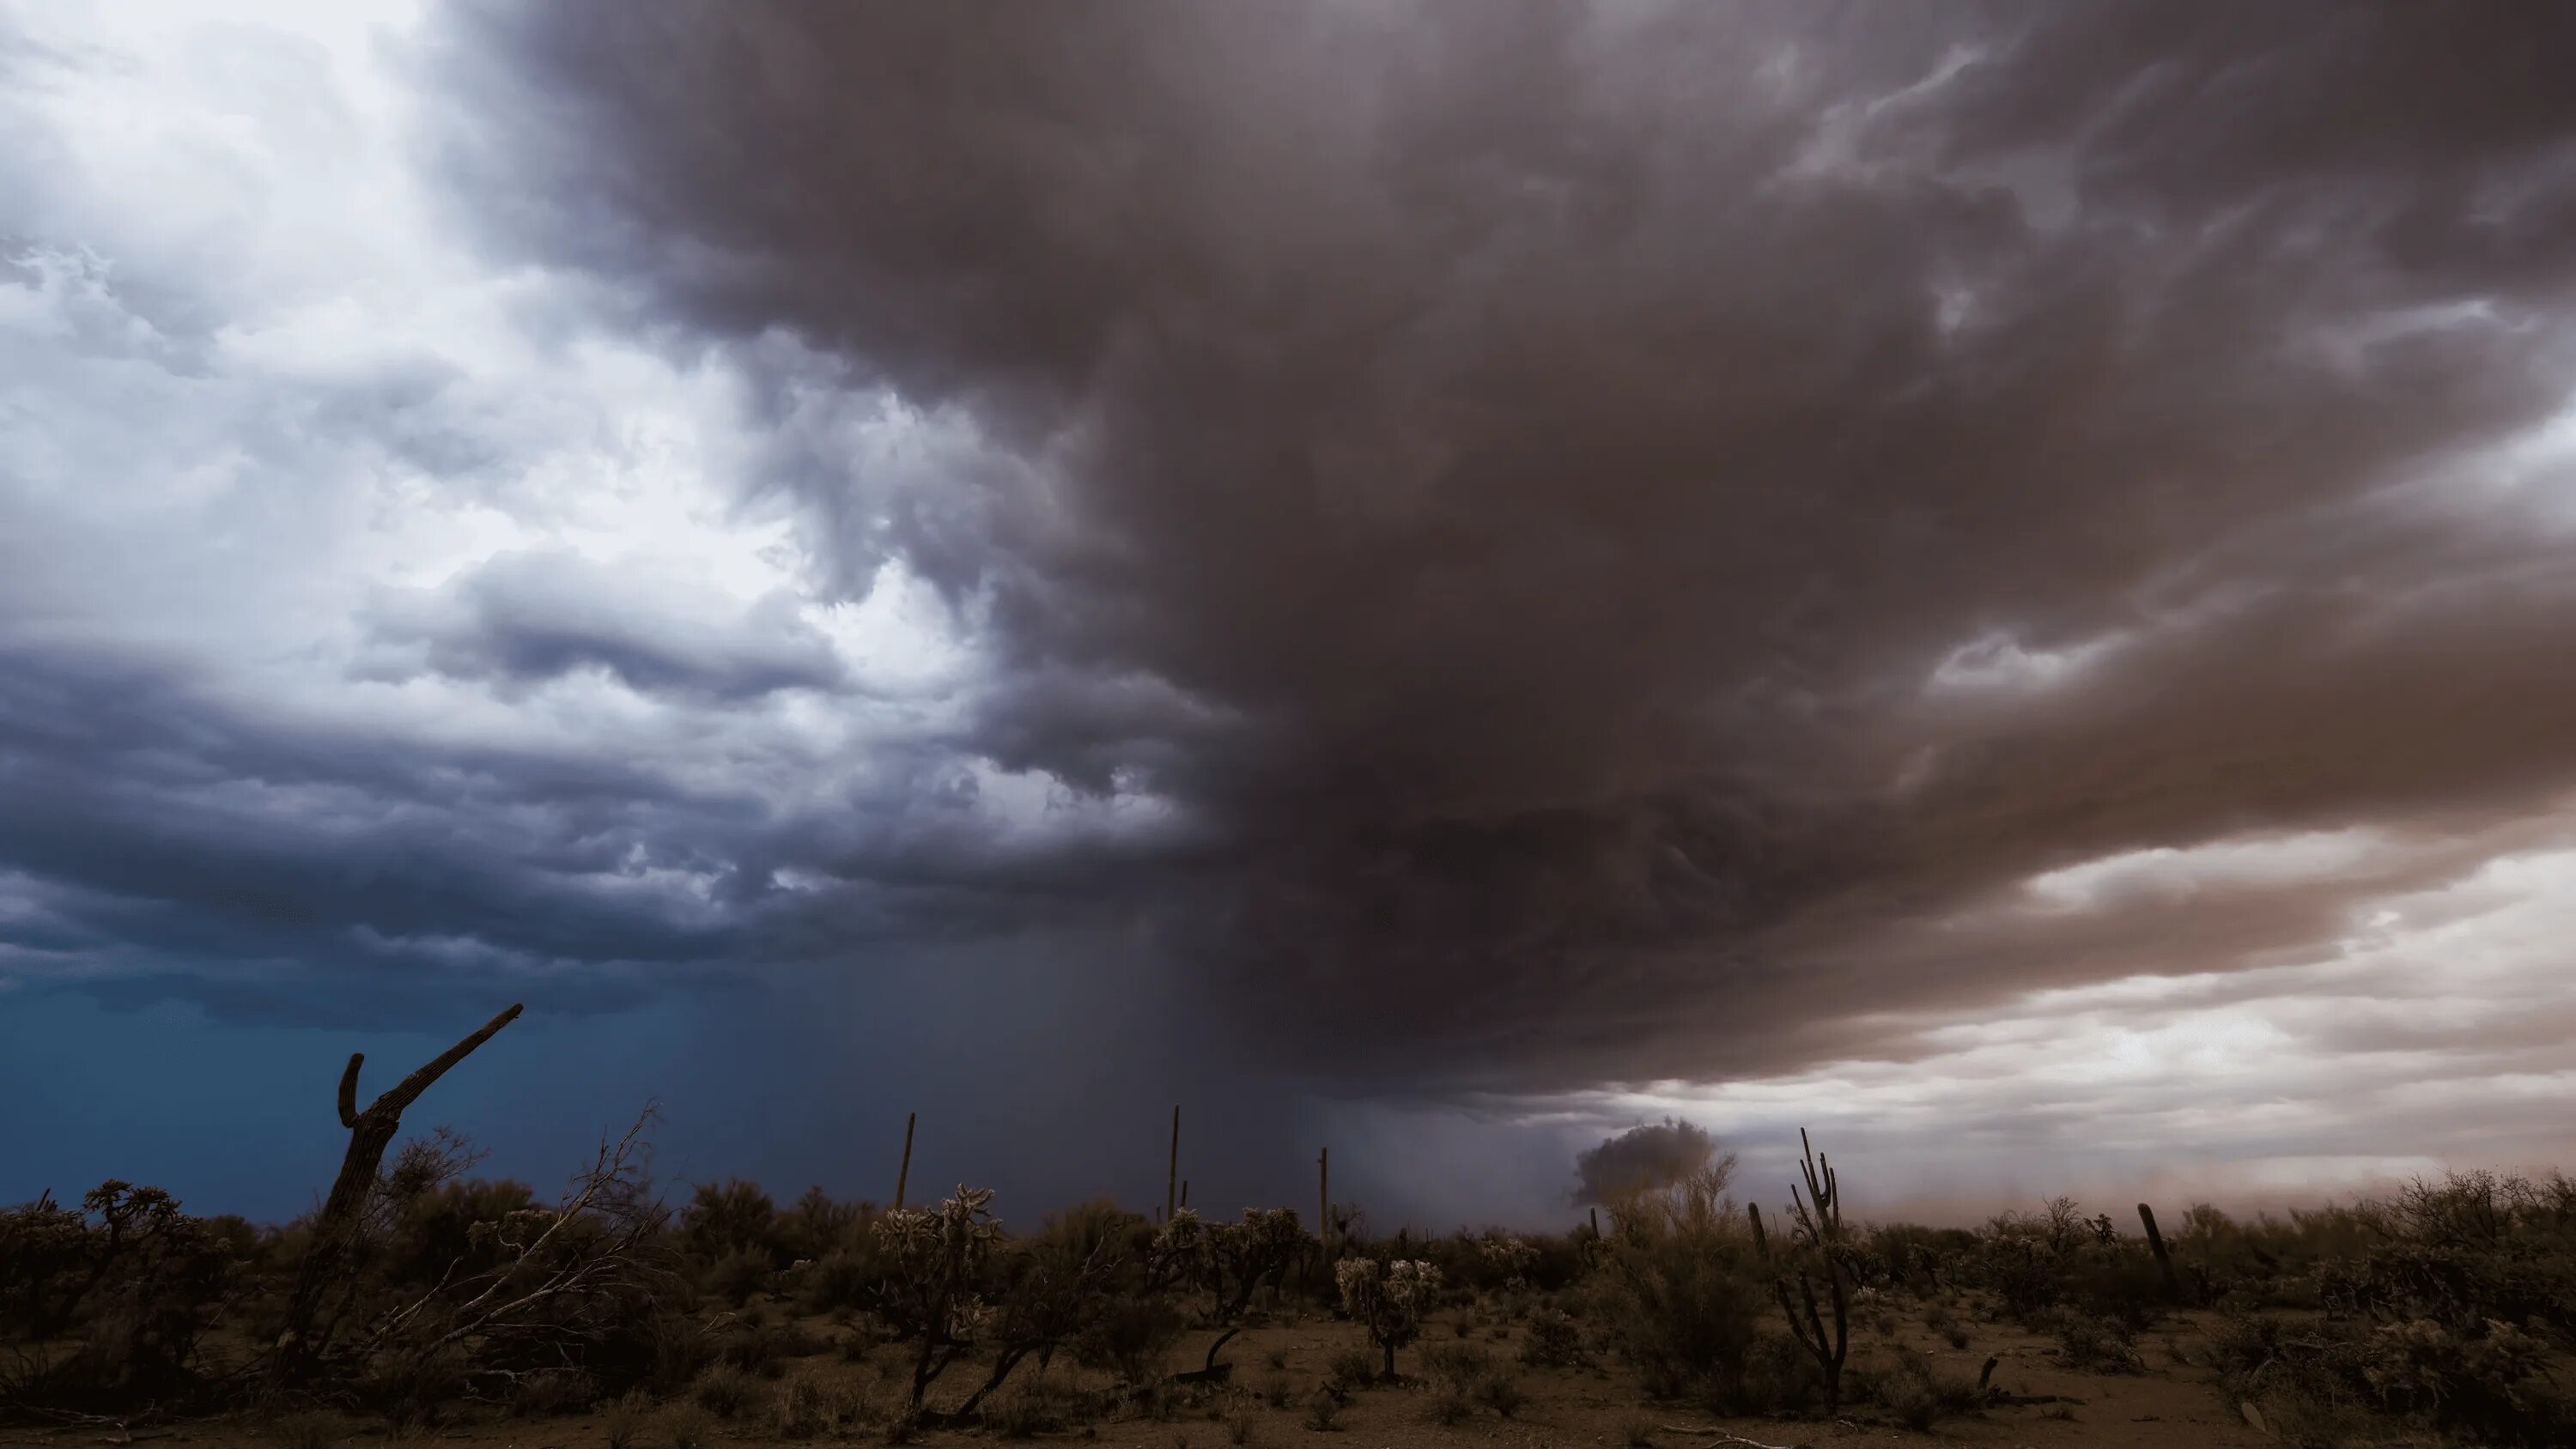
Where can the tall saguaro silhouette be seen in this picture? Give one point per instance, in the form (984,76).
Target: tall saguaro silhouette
(903,1174)
(335,1232)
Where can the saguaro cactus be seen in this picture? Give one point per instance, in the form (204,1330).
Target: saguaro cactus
(1817,1244)
(1324,1200)
(335,1232)
(903,1174)
(2156,1242)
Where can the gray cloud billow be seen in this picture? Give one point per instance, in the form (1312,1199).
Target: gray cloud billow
(531,617)
(1536,486)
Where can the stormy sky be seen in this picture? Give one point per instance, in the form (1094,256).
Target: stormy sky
(1995,580)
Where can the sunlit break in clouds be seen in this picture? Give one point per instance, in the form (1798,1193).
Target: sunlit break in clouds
(1444,578)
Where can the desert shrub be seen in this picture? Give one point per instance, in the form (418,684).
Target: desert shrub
(1681,1292)
(816,1226)
(736,1275)
(1490,1261)
(1499,1391)
(658,1349)
(1912,1257)
(2463,1252)
(1033,1407)
(1939,1317)
(724,1391)
(138,1281)
(1456,1366)
(1554,1340)
(2495,1385)
(1351,1368)
(440,1226)
(804,1407)
(621,1426)
(553,1392)
(839,1280)
(1388,1299)
(46,1253)
(1778,1376)
(2090,1343)
(1131,1336)
(1322,1411)
(2317,1379)
(1449,1407)
(2058,1258)
(763,1349)
(1919,1395)
(2445,1311)
(732,1217)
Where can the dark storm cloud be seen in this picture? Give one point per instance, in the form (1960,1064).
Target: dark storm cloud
(1515,474)
(162,841)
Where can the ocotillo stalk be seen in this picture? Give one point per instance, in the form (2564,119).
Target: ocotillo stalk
(1185,1192)
(2156,1240)
(335,1231)
(1172,1169)
(903,1174)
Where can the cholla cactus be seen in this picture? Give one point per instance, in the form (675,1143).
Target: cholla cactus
(1509,1256)
(936,1264)
(1389,1298)
(1185,1250)
(1264,1244)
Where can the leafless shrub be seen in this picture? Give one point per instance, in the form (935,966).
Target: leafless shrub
(1680,1288)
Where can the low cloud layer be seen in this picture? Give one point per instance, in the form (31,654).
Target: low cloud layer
(1570,562)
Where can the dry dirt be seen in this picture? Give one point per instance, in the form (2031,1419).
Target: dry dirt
(2168,1406)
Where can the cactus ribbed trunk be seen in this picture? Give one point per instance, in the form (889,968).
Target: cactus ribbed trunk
(1324,1200)
(903,1174)
(331,1254)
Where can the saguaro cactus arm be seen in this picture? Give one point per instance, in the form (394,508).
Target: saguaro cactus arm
(349,1089)
(408,1090)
